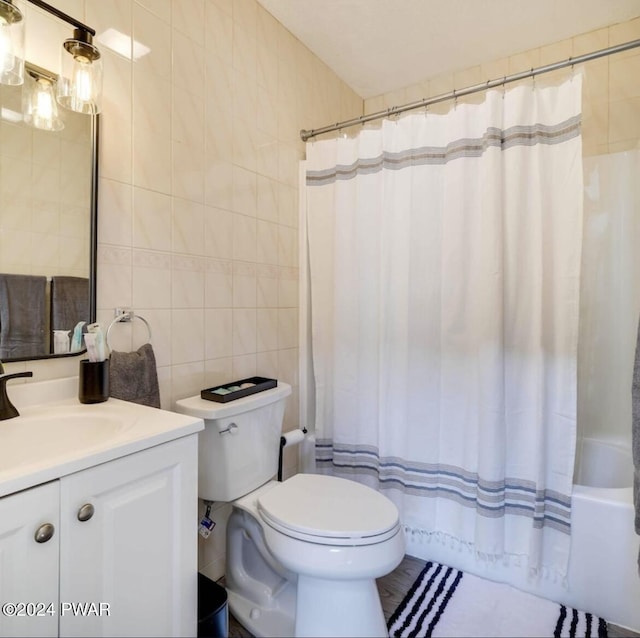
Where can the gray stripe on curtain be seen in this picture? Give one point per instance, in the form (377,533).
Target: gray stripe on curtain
(467,147)
(493,499)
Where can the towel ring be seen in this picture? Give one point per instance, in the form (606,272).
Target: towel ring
(127,317)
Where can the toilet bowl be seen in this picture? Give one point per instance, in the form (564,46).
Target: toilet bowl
(302,555)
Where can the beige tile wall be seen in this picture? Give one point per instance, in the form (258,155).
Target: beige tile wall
(199,180)
(611,97)
(198,183)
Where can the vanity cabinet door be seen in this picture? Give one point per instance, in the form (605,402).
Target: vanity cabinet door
(29,567)
(129,549)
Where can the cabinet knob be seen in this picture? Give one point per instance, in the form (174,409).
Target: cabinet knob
(86,512)
(44,533)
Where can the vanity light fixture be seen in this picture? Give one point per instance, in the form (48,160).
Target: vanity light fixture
(39,106)
(11,43)
(79,85)
(80,82)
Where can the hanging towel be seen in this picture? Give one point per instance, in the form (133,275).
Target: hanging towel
(635,434)
(133,376)
(69,302)
(22,316)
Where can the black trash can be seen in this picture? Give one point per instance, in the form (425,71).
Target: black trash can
(213,613)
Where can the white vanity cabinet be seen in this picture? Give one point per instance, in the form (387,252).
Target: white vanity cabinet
(29,569)
(123,558)
(138,551)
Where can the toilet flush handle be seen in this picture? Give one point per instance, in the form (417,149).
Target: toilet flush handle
(231,429)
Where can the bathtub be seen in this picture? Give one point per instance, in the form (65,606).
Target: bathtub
(603,572)
(603,568)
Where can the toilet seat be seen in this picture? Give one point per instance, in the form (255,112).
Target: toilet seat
(328,510)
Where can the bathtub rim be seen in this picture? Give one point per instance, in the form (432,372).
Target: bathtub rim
(619,495)
(620,446)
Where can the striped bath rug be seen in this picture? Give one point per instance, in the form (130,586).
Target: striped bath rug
(446,602)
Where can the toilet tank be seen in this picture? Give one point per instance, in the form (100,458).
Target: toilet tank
(239,446)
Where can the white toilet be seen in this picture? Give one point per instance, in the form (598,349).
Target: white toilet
(302,555)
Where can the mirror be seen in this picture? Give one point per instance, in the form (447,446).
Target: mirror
(48,227)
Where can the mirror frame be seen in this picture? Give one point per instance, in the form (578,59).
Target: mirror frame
(94,121)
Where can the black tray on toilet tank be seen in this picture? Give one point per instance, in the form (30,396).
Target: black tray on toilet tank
(226,392)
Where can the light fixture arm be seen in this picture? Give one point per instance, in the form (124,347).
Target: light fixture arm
(36,72)
(63,16)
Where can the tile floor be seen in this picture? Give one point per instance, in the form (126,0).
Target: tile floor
(392,589)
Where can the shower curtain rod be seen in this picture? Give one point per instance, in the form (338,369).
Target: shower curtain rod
(456,93)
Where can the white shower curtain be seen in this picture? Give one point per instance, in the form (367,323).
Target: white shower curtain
(444,255)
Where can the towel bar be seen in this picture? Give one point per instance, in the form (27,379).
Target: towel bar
(127,317)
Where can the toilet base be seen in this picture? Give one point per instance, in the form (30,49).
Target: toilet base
(318,608)
(338,608)
(262,593)
(272,596)
(266,622)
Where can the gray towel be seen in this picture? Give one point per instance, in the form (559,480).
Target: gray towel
(635,434)
(69,302)
(133,376)
(22,316)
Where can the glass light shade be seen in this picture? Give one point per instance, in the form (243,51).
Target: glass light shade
(39,106)
(11,44)
(79,86)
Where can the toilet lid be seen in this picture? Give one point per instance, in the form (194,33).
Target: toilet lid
(329,510)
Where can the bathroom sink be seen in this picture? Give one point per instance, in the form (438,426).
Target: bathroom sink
(56,435)
(55,432)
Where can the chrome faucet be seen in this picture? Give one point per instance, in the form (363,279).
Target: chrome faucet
(7,409)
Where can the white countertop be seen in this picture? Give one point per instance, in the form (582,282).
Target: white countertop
(49,438)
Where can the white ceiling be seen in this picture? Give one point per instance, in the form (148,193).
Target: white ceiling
(377,46)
